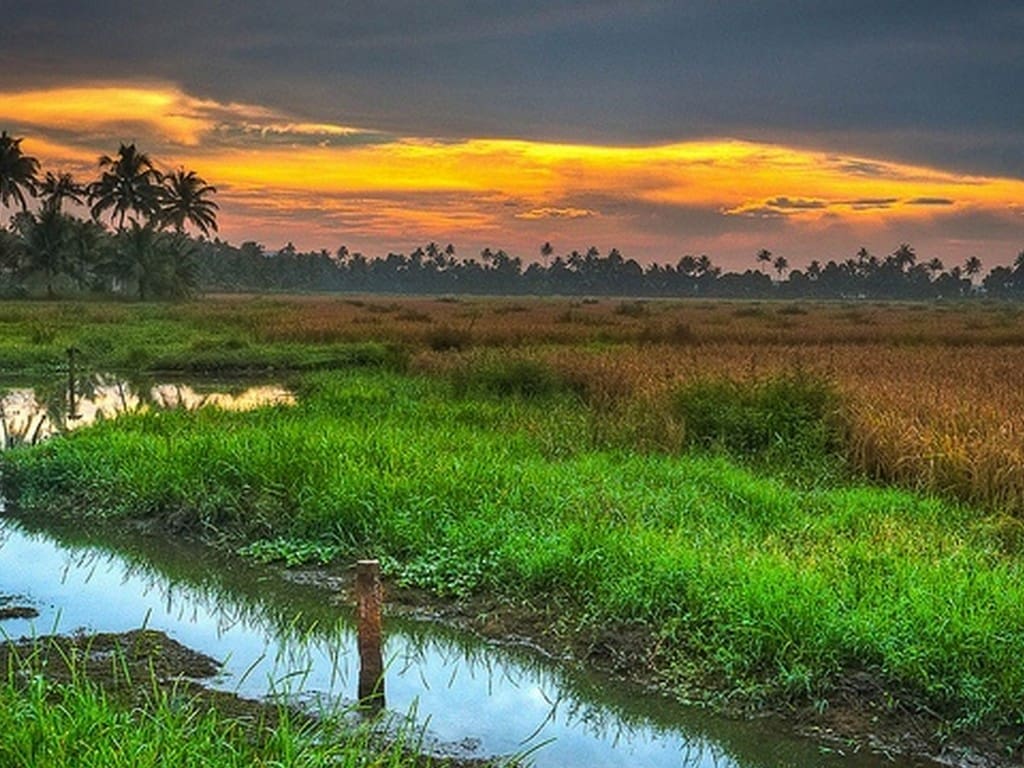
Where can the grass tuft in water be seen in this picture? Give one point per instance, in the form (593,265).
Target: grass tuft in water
(76,721)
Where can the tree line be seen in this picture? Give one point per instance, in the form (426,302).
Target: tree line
(146,250)
(137,241)
(437,269)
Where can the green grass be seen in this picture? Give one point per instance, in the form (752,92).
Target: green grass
(789,421)
(768,588)
(34,337)
(77,723)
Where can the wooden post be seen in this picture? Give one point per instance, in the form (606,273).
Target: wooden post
(369,596)
(72,406)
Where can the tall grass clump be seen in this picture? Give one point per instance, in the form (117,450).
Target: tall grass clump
(788,419)
(510,377)
(80,722)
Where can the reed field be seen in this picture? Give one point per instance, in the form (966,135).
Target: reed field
(931,394)
(778,495)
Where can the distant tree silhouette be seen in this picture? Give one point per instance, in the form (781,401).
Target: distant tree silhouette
(17,173)
(47,240)
(904,257)
(58,187)
(972,266)
(145,258)
(186,200)
(129,184)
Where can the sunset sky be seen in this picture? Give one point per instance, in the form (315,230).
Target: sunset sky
(661,128)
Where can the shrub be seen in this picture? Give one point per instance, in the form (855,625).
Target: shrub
(515,378)
(445,337)
(792,418)
(634,309)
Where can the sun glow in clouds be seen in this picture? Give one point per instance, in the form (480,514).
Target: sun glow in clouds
(299,176)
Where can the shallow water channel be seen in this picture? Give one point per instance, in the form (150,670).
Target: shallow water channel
(278,632)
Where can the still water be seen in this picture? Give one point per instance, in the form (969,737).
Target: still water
(278,633)
(30,414)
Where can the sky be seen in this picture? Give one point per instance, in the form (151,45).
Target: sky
(807,127)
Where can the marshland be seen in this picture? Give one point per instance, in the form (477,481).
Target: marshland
(808,510)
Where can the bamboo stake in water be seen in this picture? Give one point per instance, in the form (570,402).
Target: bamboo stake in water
(369,596)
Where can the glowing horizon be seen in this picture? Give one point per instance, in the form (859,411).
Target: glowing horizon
(281,178)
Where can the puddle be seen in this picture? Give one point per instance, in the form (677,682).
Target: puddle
(29,415)
(279,635)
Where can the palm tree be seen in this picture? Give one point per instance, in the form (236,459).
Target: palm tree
(12,252)
(129,184)
(705,267)
(56,188)
(687,264)
(972,266)
(904,257)
(186,200)
(545,252)
(139,256)
(47,240)
(17,172)
(89,248)
(935,266)
(781,264)
(764,256)
(179,278)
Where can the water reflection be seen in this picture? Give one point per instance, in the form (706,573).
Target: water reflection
(31,414)
(279,633)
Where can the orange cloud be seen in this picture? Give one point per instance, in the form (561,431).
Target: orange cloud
(548,212)
(337,177)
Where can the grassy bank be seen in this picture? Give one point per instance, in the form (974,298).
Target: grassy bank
(761,588)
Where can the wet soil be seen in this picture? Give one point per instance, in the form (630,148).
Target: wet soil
(859,712)
(113,659)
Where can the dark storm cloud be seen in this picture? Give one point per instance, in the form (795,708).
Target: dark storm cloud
(934,82)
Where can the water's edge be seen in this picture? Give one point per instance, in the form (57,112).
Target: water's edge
(276,632)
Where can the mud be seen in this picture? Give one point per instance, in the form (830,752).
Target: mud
(112,660)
